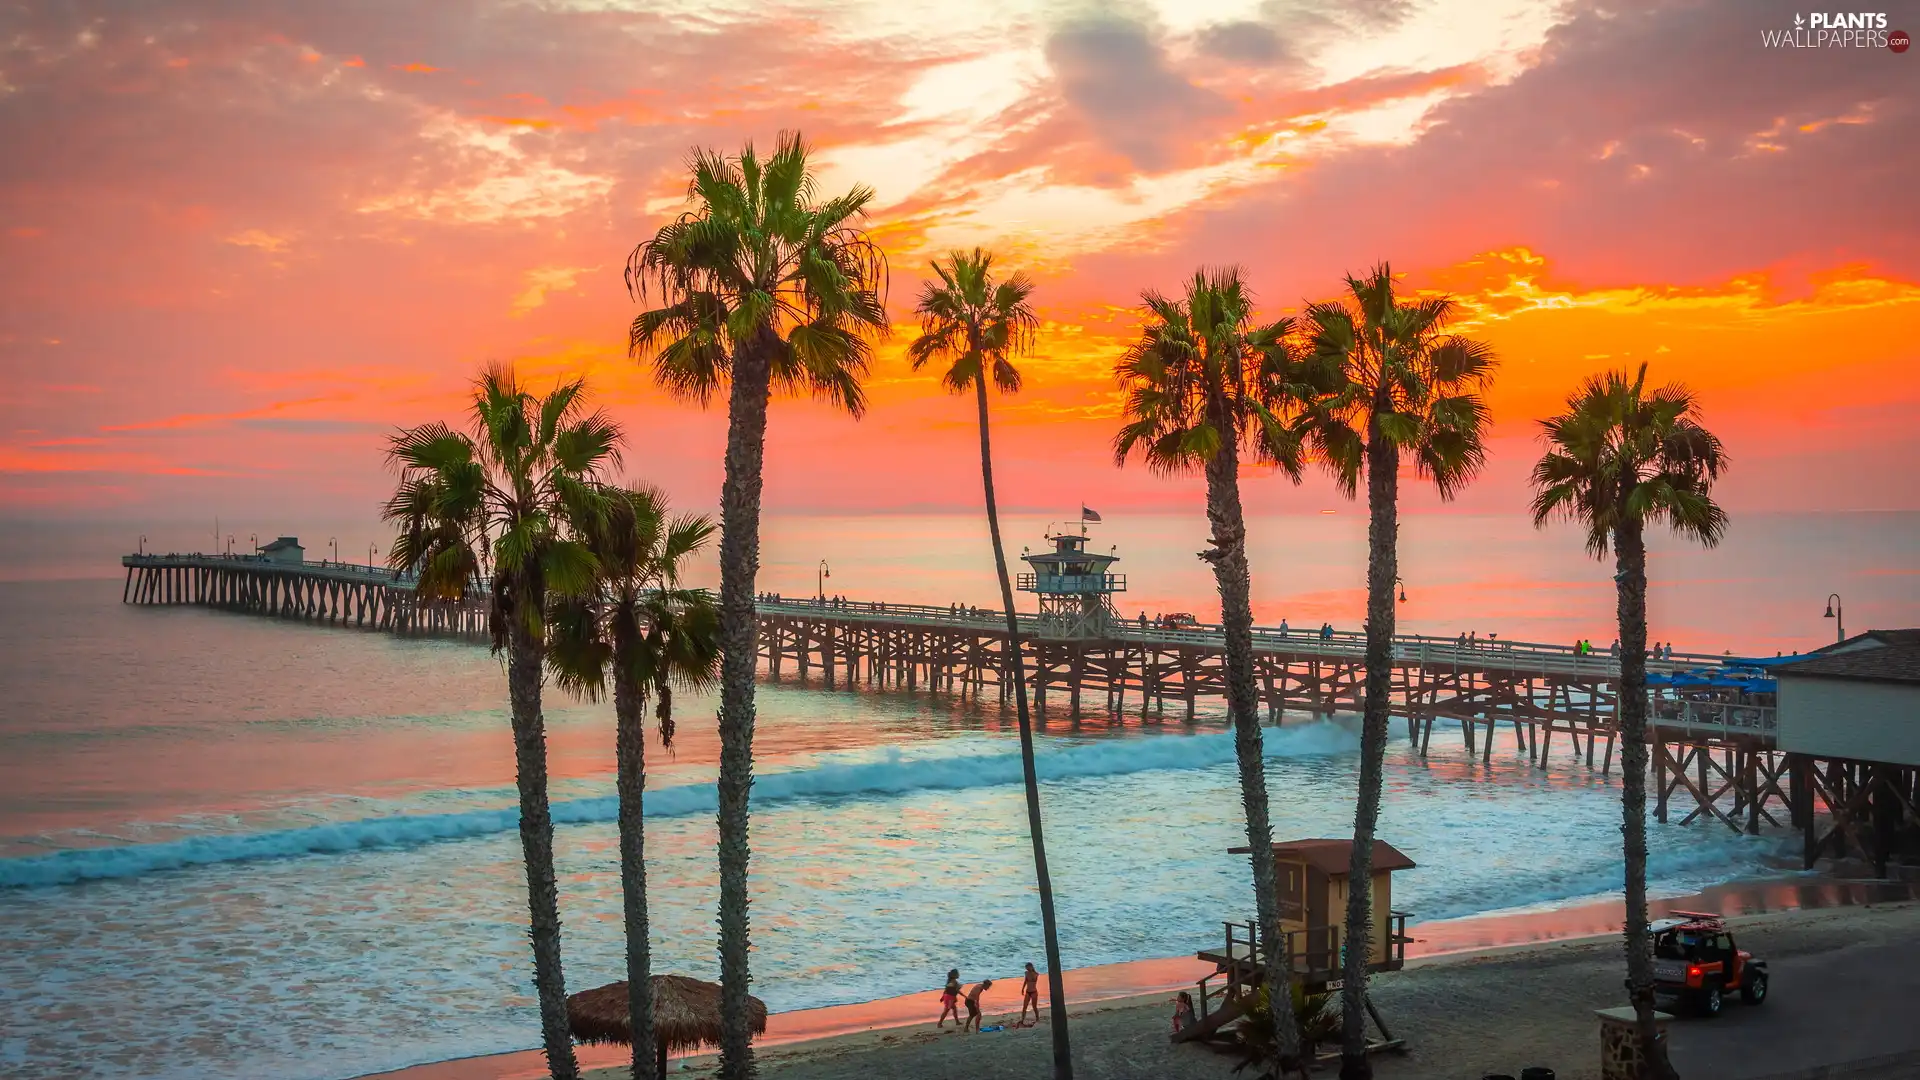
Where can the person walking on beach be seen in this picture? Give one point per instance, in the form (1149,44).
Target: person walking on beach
(950,998)
(973,1005)
(1030,994)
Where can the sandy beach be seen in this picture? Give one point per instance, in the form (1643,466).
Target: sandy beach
(1463,1015)
(1491,993)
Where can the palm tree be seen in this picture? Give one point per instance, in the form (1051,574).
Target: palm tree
(655,634)
(979,324)
(1413,391)
(1202,383)
(508,494)
(760,285)
(1619,457)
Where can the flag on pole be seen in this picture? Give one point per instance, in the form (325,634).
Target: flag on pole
(1087,514)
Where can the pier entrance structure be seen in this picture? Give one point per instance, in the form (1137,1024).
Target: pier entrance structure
(1850,727)
(1075,589)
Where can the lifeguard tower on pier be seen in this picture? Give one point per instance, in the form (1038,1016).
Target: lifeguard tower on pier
(1075,589)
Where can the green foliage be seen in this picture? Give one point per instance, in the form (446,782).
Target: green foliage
(975,321)
(1315,1014)
(1622,451)
(1417,386)
(758,262)
(1203,372)
(503,499)
(638,616)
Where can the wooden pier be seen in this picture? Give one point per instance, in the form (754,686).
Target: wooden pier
(1719,753)
(1718,758)
(343,594)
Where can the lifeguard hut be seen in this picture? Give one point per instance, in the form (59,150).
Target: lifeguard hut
(1075,589)
(1313,915)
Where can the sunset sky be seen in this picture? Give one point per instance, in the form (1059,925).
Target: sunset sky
(241,241)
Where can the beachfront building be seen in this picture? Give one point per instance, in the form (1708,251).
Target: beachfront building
(1074,586)
(1849,723)
(285,550)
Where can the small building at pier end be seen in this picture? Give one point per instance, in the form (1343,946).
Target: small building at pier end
(1075,589)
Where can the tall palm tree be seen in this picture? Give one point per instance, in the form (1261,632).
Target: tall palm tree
(979,324)
(1203,383)
(655,634)
(760,284)
(1411,390)
(1622,456)
(508,494)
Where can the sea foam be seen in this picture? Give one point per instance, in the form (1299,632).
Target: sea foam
(894,775)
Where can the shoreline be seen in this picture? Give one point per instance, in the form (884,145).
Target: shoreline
(1139,982)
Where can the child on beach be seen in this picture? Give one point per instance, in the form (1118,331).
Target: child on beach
(950,998)
(973,1005)
(1182,1012)
(1030,994)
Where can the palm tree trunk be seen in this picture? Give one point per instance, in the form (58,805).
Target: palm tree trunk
(739,563)
(1630,552)
(1383,528)
(536,843)
(1229,558)
(630,753)
(1016,663)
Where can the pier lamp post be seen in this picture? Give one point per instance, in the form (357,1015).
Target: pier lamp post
(370,550)
(143,543)
(335,542)
(820,580)
(229,545)
(1403,589)
(253,540)
(1838,616)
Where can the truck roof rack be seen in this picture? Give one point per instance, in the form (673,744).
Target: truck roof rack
(1700,916)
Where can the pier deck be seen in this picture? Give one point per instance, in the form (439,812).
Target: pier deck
(1710,752)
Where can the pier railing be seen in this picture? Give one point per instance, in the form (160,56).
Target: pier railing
(359,573)
(1723,719)
(1421,649)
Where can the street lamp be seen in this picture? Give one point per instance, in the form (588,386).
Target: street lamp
(1403,589)
(229,545)
(820,580)
(254,540)
(335,541)
(143,543)
(1839,617)
(370,550)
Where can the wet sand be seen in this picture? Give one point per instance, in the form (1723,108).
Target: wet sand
(1121,1011)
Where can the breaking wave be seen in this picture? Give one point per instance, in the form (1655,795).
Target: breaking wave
(892,776)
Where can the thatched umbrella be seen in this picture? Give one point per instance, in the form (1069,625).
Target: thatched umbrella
(686,1014)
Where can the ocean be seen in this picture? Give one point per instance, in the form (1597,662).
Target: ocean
(234,846)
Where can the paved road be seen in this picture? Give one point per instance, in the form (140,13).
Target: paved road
(1844,1004)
